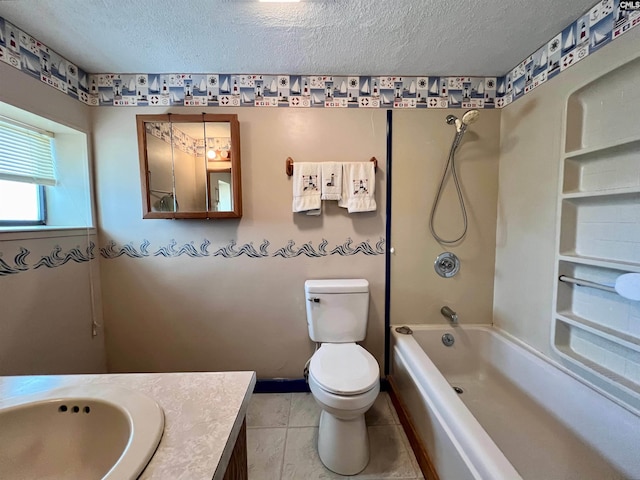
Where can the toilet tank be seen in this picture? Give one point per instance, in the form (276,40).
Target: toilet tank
(337,310)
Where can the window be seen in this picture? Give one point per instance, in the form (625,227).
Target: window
(44,174)
(21,203)
(26,164)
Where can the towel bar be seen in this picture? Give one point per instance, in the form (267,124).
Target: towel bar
(586,283)
(160,191)
(289,165)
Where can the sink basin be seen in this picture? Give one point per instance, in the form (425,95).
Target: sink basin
(89,432)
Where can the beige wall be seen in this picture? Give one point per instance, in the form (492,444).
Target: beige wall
(530,152)
(45,324)
(47,312)
(421,143)
(215,313)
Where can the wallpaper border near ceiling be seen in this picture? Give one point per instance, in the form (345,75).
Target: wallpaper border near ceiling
(604,22)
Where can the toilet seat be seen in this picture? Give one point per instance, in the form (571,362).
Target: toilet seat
(344,369)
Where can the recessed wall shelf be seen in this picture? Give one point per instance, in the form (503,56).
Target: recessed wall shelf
(602,193)
(614,336)
(632,142)
(600,262)
(587,362)
(595,330)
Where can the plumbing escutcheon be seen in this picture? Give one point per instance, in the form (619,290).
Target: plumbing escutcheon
(447,265)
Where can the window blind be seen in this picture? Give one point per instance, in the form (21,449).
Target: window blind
(26,155)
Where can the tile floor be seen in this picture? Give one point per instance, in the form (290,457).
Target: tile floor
(282,434)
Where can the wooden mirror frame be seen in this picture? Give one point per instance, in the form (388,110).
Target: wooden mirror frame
(236,177)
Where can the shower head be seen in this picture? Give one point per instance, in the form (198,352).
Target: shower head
(470,116)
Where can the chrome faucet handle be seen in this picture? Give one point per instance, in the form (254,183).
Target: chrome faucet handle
(447,265)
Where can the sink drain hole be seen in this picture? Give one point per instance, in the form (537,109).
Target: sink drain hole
(458,390)
(62,408)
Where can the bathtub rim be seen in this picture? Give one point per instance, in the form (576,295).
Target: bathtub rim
(503,335)
(481,455)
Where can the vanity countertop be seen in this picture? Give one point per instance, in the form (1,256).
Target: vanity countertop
(203,415)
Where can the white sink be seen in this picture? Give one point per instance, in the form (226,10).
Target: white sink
(88,432)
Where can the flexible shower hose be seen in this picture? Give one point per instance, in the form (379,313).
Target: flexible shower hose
(451,162)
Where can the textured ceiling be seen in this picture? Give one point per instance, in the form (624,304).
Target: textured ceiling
(333,37)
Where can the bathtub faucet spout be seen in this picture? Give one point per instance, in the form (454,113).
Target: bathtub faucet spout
(450,314)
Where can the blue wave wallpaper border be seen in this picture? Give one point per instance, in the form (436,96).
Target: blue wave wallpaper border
(232,250)
(19,263)
(603,23)
(55,259)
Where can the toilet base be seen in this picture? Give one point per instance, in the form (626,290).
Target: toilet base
(343,445)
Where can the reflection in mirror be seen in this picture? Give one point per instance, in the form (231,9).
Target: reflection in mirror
(191,166)
(221,199)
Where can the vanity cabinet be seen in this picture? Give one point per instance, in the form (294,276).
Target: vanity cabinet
(238,469)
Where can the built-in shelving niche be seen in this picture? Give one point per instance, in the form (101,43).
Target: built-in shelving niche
(597,333)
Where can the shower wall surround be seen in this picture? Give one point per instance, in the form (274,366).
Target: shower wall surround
(532,156)
(606,21)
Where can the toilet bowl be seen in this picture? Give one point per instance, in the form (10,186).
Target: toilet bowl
(343,376)
(344,380)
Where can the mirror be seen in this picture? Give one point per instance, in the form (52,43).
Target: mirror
(190,166)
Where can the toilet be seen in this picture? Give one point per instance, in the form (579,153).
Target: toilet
(343,377)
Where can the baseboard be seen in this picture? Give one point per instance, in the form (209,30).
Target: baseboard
(281,385)
(294,385)
(425,463)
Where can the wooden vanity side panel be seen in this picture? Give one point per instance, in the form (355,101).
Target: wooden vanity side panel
(238,467)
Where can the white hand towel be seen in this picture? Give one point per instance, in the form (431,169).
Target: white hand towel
(331,181)
(306,186)
(358,187)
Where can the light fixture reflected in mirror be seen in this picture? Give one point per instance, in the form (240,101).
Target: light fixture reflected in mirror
(218,155)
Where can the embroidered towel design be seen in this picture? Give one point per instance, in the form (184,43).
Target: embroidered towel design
(306,187)
(358,187)
(331,181)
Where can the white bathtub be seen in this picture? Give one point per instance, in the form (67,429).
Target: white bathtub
(520,416)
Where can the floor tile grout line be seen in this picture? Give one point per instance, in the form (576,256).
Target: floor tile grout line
(286,436)
(289,412)
(284,451)
(265,427)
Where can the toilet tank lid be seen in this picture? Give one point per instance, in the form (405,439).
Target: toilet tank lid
(340,285)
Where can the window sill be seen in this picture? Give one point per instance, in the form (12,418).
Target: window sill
(33,232)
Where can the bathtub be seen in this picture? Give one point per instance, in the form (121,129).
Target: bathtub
(518,416)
